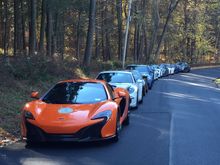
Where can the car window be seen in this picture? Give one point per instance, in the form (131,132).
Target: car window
(139,68)
(116,77)
(111,91)
(76,93)
(136,76)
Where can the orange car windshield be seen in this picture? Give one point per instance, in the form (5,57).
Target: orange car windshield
(76,93)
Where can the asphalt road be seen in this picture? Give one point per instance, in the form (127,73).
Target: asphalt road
(178,124)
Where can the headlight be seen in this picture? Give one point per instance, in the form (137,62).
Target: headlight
(131,90)
(28,115)
(105,114)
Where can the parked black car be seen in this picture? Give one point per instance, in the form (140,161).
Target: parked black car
(184,67)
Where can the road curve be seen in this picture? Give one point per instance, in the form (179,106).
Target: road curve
(177,124)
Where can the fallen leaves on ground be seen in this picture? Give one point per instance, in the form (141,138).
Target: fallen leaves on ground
(6,138)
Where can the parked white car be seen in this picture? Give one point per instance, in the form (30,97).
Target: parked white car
(170,68)
(157,71)
(126,80)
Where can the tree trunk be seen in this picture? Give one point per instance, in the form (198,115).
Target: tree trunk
(141,45)
(60,35)
(49,30)
(16,15)
(62,38)
(155,27)
(32,28)
(5,28)
(43,26)
(103,34)
(108,46)
(145,33)
(97,47)
(135,50)
(91,29)
(172,7)
(23,26)
(147,58)
(193,38)
(78,35)
(107,23)
(55,30)
(1,24)
(120,32)
(185,28)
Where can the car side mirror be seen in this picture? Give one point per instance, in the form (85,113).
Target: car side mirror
(118,93)
(35,95)
(121,94)
(144,76)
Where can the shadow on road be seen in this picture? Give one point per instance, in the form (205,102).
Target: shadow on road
(146,139)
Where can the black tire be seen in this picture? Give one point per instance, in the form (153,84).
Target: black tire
(127,121)
(150,87)
(30,143)
(147,88)
(141,99)
(118,127)
(143,91)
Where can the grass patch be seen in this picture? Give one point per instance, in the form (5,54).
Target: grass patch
(19,77)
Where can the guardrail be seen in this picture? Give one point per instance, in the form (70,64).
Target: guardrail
(203,66)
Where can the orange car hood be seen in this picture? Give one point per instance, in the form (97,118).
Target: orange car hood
(44,112)
(49,118)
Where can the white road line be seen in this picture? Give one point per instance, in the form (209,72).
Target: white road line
(171,142)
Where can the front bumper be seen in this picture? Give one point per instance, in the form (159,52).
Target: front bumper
(133,102)
(89,133)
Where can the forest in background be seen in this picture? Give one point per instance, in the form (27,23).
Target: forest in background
(84,31)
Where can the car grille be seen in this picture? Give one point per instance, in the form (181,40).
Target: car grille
(35,133)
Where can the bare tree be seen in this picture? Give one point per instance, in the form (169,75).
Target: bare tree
(172,6)
(155,28)
(43,25)
(120,31)
(32,27)
(5,27)
(17,28)
(91,30)
(49,30)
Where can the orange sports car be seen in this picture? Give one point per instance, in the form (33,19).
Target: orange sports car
(76,110)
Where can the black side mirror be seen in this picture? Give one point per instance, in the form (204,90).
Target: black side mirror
(144,76)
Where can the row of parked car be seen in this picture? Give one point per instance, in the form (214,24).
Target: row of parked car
(83,110)
(138,79)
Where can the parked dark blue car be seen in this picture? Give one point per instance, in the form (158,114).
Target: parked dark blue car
(183,67)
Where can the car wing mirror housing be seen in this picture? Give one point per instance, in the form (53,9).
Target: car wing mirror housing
(119,93)
(35,95)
